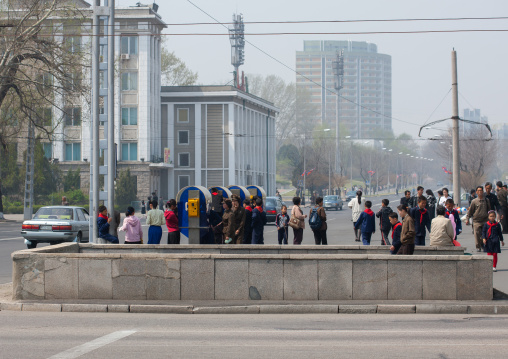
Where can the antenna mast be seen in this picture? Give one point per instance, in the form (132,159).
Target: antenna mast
(237,39)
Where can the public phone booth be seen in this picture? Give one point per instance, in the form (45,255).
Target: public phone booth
(194,202)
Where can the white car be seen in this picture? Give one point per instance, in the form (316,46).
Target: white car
(56,224)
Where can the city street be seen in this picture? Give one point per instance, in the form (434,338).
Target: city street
(340,231)
(39,335)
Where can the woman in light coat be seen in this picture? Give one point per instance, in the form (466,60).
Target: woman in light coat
(296,212)
(442,232)
(358,206)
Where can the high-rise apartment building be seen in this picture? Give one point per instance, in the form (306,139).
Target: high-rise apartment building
(472,115)
(366,103)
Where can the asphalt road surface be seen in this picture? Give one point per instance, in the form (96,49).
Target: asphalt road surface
(38,335)
(340,231)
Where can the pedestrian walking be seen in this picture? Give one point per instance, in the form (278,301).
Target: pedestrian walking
(407,233)
(297,221)
(384,221)
(444,197)
(479,212)
(357,207)
(282,224)
(228,225)
(453,215)
(132,228)
(258,222)
(407,196)
(502,196)
(103,222)
(367,223)
(317,222)
(492,198)
(171,216)
(421,221)
(239,220)
(155,220)
(492,237)
(247,233)
(413,201)
(442,232)
(396,230)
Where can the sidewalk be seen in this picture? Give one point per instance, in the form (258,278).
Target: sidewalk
(255,307)
(12,218)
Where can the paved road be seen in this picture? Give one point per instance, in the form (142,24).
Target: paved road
(340,231)
(37,335)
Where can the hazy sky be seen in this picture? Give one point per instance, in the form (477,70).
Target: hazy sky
(421,63)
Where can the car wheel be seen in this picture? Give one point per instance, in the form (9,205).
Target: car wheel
(78,238)
(32,245)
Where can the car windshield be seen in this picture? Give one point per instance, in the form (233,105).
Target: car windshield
(330,198)
(271,202)
(54,213)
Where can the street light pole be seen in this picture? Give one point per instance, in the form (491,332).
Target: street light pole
(338,71)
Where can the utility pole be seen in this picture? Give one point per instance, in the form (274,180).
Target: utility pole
(338,72)
(110,133)
(455,134)
(94,165)
(28,209)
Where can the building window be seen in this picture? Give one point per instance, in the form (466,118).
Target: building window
(129,116)
(73,151)
(183,137)
(45,116)
(130,45)
(130,81)
(183,181)
(183,115)
(72,116)
(184,159)
(129,151)
(48,150)
(72,82)
(73,44)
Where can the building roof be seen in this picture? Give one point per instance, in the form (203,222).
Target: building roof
(216,91)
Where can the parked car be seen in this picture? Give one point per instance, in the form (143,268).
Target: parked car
(350,195)
(333,202)
(56,224)
(273,207)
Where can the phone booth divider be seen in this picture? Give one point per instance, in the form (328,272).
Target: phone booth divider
(257,191)
(193,204)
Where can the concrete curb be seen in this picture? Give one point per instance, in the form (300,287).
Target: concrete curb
(424,308)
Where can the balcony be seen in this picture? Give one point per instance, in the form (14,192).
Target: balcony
(158,162)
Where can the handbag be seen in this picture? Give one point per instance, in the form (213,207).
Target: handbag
(294,222)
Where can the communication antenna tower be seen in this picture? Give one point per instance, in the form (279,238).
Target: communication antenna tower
(237,39)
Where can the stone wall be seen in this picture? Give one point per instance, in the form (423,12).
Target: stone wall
(41,274)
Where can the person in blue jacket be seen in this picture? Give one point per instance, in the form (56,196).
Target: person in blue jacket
(396,230)
(258,222)
(367,223)
(421,218)
(103,225)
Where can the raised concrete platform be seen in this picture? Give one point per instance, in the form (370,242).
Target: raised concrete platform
(71,271)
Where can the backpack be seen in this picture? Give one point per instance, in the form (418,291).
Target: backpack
(315,221)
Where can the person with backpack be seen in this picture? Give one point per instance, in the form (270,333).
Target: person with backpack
(258,222)
(367,223)
(317,222)
(384,221)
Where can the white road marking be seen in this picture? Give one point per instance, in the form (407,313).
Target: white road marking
(93,345)
(10,239)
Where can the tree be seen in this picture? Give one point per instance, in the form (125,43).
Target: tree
(174,72)
(126,188)
(72,180)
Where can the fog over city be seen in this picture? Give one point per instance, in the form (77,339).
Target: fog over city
(421,63)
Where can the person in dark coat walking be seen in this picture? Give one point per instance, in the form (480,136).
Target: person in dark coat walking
(103,225)
(407,233)
(247,233)
(431,204)
(239,219)
(407,196)
(502,197)
(413,201)
(396,230)
(384,221)
(258,222)
(367,223)
(421,218)
(492,237)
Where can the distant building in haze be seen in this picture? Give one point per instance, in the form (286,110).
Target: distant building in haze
(472,115)
(367,85)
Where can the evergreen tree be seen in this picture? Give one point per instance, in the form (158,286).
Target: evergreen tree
(126,188)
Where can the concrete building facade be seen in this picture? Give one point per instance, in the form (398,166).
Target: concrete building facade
(367,85)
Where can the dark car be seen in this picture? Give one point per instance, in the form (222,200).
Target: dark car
(334,202)
(350,195)
(273,207)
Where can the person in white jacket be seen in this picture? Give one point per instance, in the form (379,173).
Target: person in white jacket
(358,206)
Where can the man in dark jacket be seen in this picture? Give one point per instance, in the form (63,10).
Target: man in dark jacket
(384,221)
(247,233)
(258,222)
(502,197)
(103,225)
(413,201)
(407,196)
(421,218)
(494,202)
